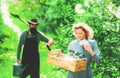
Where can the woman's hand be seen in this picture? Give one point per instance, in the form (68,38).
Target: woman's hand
(50,42)
(88,49)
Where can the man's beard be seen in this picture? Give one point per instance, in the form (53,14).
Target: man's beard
(33,30)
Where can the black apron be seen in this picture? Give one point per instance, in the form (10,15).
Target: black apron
(30,58)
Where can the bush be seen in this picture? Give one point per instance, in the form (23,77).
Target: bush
(58,16)
(6,37)
(106,32)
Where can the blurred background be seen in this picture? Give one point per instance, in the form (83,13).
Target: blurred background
(56,18)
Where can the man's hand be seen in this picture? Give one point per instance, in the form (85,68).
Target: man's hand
(18,61)
(50,42)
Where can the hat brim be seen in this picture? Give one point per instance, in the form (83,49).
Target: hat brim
(33,23)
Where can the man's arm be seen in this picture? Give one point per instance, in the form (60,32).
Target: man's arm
(21,42)
(42,37)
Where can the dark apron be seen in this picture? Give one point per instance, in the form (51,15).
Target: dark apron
(30,58)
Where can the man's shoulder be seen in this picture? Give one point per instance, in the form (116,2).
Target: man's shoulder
(24,33)
(39,33)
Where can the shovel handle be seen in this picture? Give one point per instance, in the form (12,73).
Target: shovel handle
(48,48)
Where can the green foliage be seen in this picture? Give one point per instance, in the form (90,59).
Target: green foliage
(106,29)
(8,42)
(48,70)
(57,17)
(106,32)
(6,38)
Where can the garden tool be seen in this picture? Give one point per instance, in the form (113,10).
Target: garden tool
(17,16)
(18,69)
(48,48)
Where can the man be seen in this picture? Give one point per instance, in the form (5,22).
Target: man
(30,56)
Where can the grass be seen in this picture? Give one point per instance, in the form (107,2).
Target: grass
(48,70)
(8,56)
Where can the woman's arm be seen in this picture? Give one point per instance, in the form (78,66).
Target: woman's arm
(93,52)
(96,56)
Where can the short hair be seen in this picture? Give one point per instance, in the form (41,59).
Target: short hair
(87,29)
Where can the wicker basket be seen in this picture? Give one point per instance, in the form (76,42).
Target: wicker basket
(56,57)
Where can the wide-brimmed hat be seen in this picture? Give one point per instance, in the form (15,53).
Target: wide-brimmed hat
(33,21)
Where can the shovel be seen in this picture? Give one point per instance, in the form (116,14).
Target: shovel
(17,16)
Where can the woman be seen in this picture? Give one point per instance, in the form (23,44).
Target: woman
(86,46)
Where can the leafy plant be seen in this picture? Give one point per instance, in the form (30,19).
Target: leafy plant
(57,18)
